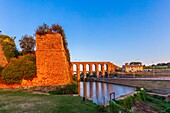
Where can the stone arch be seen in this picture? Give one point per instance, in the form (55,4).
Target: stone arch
(105,67)
(74,68)
(88,70)
(87,67)
(100,67)
(81,67)
(93,67)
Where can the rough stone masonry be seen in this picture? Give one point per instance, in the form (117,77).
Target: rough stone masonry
(52,65)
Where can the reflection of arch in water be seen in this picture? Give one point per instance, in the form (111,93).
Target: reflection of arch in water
(104,92)
(97,92)
(84,89)
(88,89)
(100,93)
(91,90)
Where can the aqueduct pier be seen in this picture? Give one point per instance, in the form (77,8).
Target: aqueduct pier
(92,67)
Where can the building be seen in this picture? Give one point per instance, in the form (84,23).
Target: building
(132,67)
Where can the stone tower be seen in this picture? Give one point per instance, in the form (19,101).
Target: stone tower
(52,65)
(3,60)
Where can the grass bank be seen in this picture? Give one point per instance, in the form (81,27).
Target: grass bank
(19,102)
(139,103)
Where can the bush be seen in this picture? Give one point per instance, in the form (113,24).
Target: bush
(116,108)
(128,102)
(1,68)
(12,74)
(24,67)
(66,89)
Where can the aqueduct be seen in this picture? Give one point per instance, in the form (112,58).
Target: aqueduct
(92,67)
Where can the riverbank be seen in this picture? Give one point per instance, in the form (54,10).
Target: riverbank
(140,102)
(18,102)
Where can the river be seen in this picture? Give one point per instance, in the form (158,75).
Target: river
(99,92)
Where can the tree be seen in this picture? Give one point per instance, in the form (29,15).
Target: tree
(44,29)
(57,28)
(168,64)
(27,44)
(8,47)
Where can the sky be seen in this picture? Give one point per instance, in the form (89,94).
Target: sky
(118,31)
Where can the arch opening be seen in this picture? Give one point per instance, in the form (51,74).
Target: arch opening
(93,67)
(81,67)
(74,69)
(99,67)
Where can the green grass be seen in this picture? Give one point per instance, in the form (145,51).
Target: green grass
(19,102)
(158,104)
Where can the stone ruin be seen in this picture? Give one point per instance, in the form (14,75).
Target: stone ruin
(53,68)
(52,65)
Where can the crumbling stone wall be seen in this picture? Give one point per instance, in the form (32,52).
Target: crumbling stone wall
(52,65)
(3,60)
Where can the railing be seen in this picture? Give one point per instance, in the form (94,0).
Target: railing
(113,93)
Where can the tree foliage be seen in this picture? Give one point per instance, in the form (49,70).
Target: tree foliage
(8,47)
(27,44)
(168,64)
(24,67)
(44,29)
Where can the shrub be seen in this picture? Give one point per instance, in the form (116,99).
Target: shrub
(1,68)
(24,67)
(12,74)
(128,102)
(29,70)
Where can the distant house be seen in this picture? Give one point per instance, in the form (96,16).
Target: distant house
(132,67)
(147,70)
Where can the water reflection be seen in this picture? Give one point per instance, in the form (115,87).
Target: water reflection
(100,92)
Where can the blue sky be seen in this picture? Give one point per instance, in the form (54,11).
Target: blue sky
(118,31)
